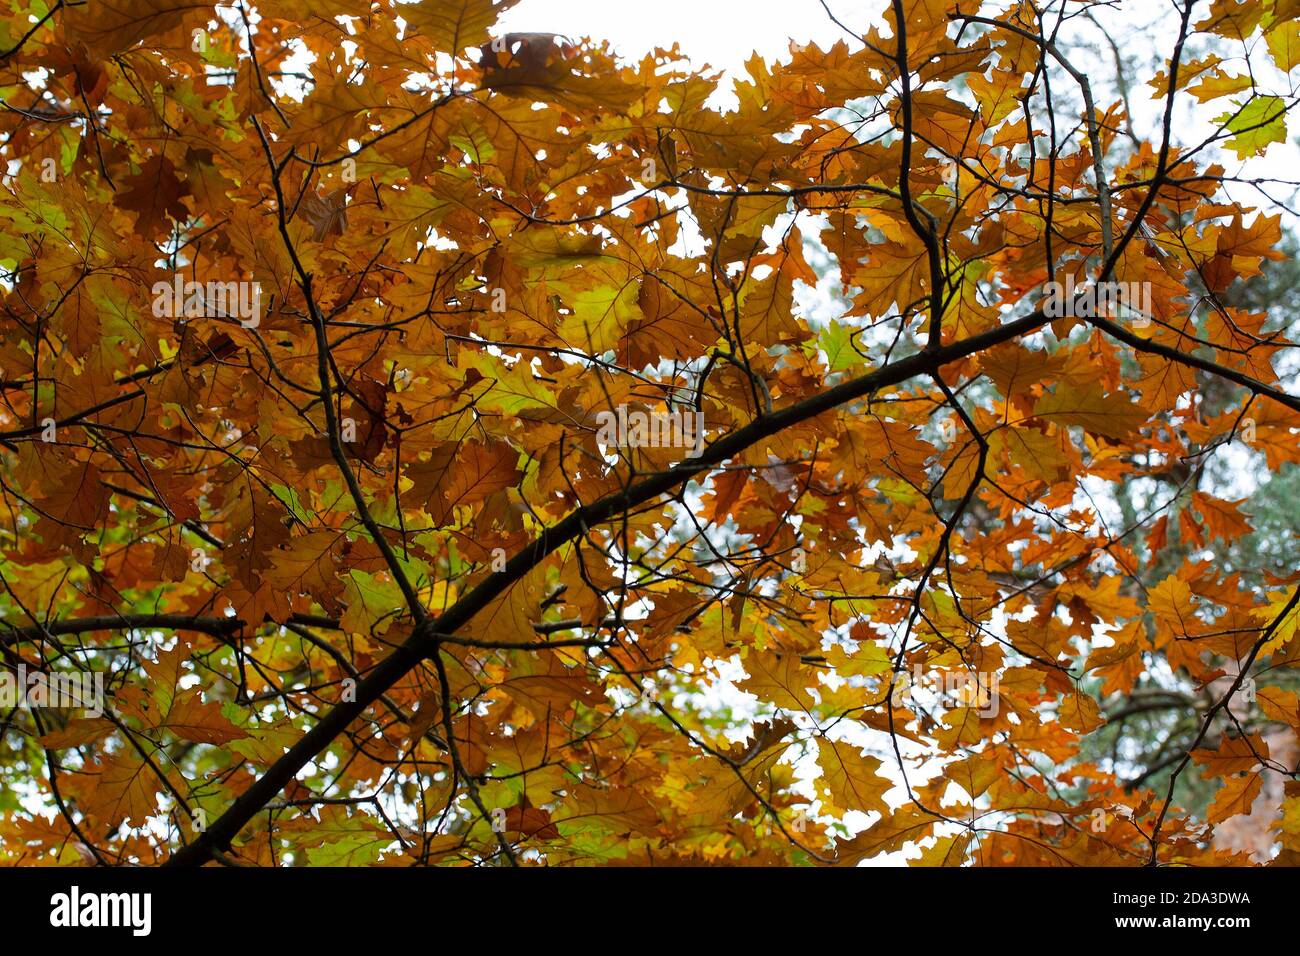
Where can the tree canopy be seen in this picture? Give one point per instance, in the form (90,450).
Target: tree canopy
(462,447)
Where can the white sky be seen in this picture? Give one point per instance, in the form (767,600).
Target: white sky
(722,33)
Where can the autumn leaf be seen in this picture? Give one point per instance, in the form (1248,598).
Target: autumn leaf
(851,777)
(1236,796)
(887,834)
(327,214)
(1222,518)
(192,719)
(457,25)
(779,679)
(1111,415)
(155,193)
(1234,755)
(124,790)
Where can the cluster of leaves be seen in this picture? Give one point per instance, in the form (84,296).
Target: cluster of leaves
(368,589)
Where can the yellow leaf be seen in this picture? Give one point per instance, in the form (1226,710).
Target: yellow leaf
(1080,713)
(1171,602)
(947,851)
(852,778)
(778,678)
(888,834)
(1111,415)
(454,25)
(1285,44)
(974,774)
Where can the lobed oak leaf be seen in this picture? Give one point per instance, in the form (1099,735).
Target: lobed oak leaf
(1234,755)
(890,833)
(124,788)
(1235,797)
(190,718)
(1110,415)
(155,194)
(852,778)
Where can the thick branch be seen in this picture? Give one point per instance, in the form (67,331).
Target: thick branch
(216,626)
(1205,365)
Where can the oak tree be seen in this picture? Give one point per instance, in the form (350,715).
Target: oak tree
(453,446)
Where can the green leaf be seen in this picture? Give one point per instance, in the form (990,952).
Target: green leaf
(1260,122)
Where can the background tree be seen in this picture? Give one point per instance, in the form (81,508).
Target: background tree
(314,325)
